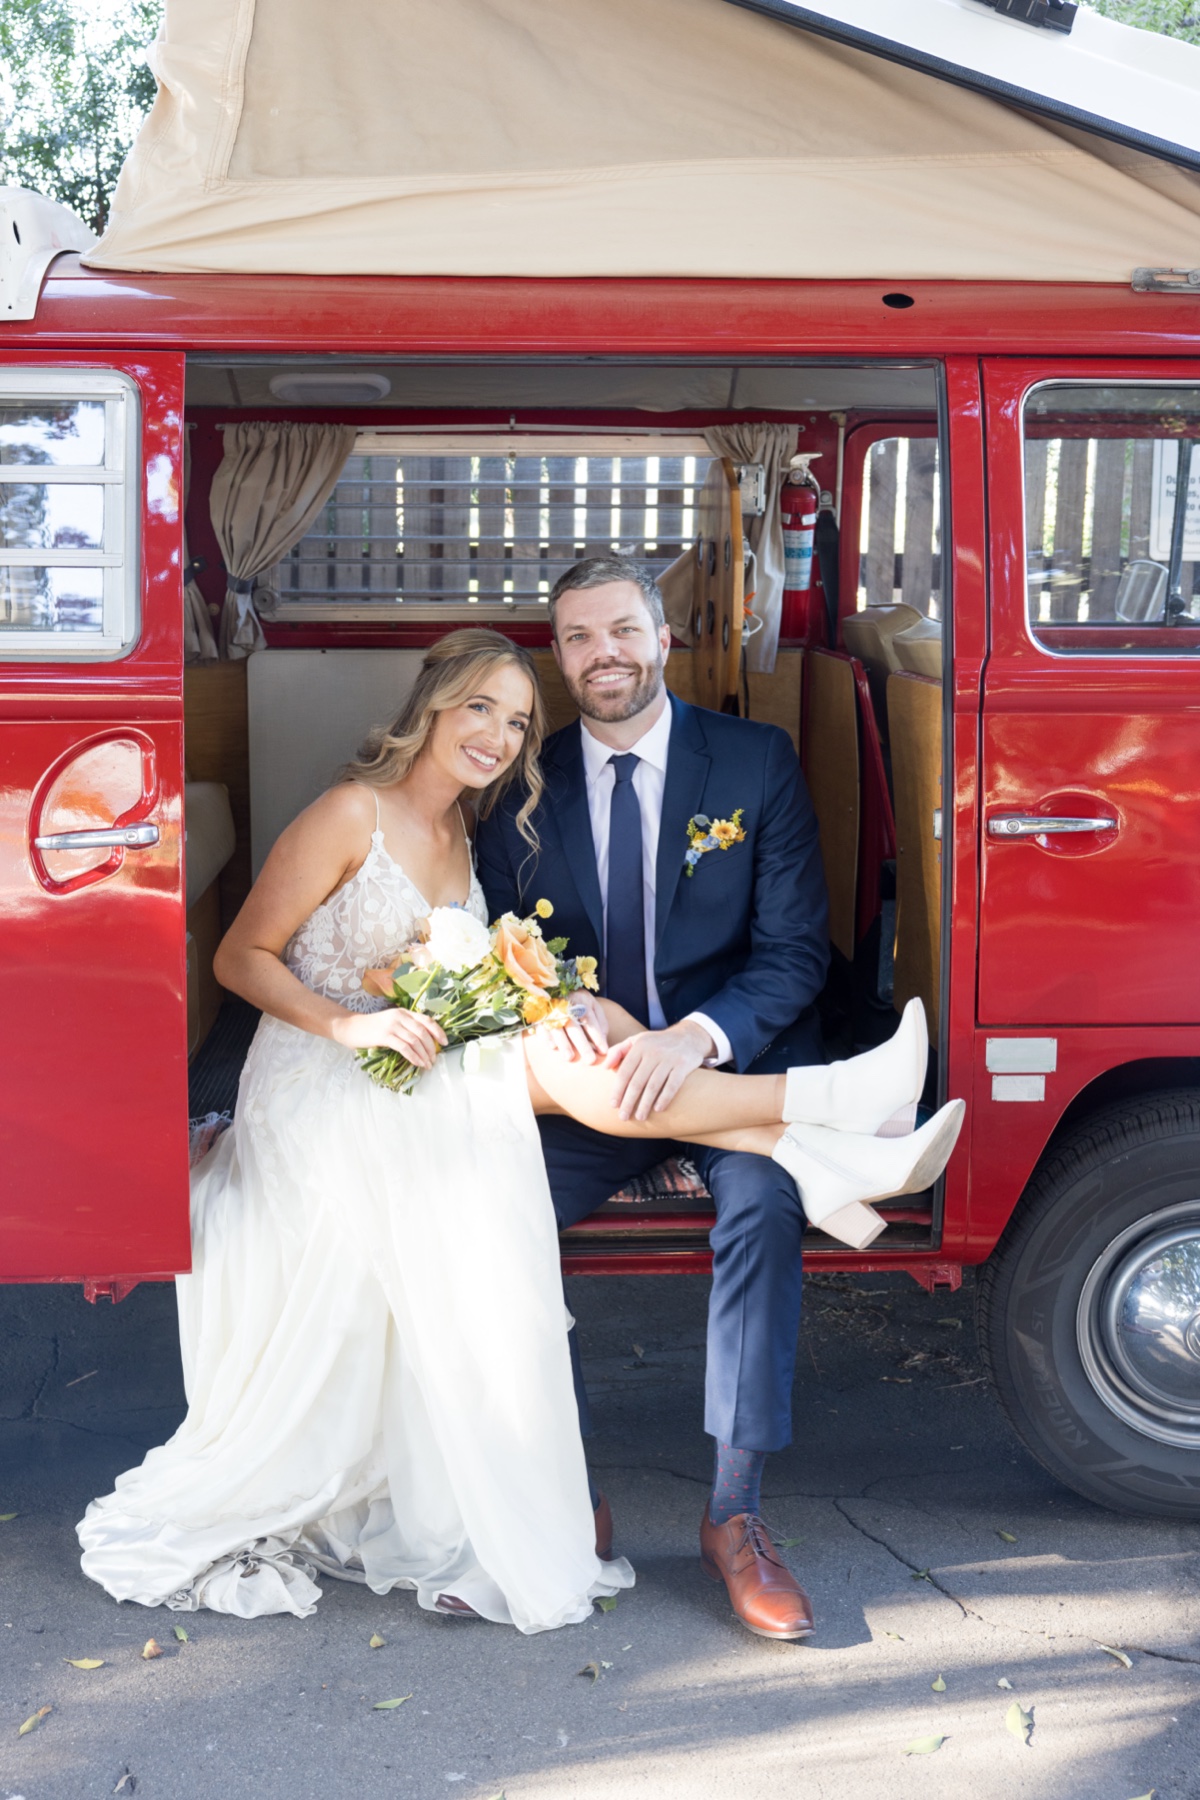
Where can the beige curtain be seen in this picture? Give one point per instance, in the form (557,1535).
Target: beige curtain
(273,481)
(199,644)
(773,446)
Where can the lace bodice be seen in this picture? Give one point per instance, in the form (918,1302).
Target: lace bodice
(365,925)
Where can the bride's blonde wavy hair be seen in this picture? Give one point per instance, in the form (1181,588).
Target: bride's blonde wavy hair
(454,668)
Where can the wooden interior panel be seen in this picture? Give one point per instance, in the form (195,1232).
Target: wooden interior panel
(915,716)
(832,768)
(216,747)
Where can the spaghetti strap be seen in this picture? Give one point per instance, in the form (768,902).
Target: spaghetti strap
(378,821)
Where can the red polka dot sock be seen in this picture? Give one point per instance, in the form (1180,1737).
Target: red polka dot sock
(737,1481)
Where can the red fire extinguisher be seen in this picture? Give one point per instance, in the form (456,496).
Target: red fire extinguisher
(799,504)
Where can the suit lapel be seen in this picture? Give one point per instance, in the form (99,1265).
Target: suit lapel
(566,803)
(688,765)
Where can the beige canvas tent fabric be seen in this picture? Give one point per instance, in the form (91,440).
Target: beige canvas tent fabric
(606,137)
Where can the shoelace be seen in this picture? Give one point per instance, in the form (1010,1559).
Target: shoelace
(756,1538)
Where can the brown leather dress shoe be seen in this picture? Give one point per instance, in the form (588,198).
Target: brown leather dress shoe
(766,1597)
(604,1530)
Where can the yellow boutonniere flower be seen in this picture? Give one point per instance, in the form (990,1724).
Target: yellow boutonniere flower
(706,834)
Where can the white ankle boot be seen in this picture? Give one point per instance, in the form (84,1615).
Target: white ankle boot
(874,1094)
(839,1173)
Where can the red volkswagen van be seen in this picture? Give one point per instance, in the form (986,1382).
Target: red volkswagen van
(986,669)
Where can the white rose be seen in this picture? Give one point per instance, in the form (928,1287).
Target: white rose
(456,939)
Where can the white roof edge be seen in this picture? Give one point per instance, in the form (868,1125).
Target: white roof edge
(33,231)
(1135,87)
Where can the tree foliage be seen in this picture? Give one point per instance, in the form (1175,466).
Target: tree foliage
(1173,18)
(74,87)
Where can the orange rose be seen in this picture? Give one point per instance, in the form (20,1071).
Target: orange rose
(525,958)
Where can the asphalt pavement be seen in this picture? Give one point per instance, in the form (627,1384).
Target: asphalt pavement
(952,1579)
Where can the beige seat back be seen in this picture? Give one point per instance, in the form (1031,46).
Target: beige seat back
(918,648)
(832,770)
(915,720)
(868,635)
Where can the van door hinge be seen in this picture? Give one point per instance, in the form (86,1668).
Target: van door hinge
(1166,281)
(1053,15)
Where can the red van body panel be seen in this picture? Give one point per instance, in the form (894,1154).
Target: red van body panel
(93,1053)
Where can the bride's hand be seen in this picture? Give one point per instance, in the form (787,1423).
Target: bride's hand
(414,1035)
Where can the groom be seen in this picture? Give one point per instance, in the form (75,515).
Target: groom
(723,959)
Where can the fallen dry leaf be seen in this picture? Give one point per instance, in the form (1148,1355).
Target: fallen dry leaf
(592,1669)
(34,1720)
(894,1634)
(5,1517)
(85,1662)
(786,1543)
(606,1602)
(1007,1536)
(923,1746)
(181,1634)
(939,1686)
(1004,1682)
(957,1323)
(390,1705)
(150,1649)
(920,1575)
(1119,1654)
(127,1784)
(1149,1796)
(375,1642)
(1019,1721)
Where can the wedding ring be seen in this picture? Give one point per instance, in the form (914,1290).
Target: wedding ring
(577,1009)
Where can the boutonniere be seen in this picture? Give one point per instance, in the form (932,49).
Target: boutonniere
(706,834)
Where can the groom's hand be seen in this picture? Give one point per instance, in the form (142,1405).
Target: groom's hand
(653,1066)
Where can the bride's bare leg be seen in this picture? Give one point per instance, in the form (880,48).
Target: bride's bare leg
(708,1107)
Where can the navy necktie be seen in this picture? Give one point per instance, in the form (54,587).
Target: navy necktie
(625,946)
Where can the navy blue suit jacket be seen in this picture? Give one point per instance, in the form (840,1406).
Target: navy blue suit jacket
(743,939)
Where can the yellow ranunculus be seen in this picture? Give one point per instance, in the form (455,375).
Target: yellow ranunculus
(585,968)
(535,1009)
(544,910)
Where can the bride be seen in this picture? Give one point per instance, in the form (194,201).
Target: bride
(374,1340)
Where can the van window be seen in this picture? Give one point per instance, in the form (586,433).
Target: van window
(68,519)
(900,525)
(1112,542)
(484,525)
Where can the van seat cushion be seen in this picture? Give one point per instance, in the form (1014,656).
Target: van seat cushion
(208,835)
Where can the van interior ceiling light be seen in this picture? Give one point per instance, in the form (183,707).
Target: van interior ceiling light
(330,387)
(1053,15)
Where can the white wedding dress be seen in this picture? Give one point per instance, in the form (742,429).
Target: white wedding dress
(374,1338)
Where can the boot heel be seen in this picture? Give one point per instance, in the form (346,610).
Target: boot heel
(901,1124)
(857,1225)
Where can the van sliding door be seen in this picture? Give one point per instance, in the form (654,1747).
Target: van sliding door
(1091,721)
(93,1062)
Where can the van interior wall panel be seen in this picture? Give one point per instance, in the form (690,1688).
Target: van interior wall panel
(216,748)
(915,723)
(832,769)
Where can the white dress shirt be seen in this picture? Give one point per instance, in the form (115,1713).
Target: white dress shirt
(649,780)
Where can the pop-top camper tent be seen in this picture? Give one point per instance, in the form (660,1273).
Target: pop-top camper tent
(940,139)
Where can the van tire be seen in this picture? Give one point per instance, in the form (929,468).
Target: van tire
(1117,1429)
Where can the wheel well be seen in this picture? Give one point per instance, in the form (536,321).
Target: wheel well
(1126,1082)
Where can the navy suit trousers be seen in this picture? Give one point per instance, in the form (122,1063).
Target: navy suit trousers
(754,1309)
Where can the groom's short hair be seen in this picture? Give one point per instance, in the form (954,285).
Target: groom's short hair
(603,571)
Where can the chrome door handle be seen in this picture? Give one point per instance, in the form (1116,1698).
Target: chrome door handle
(114,837)
(1019,825)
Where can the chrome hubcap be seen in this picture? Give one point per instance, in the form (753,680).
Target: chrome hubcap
(1138,1326)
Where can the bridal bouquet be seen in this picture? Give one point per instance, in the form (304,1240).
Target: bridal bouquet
(477,982)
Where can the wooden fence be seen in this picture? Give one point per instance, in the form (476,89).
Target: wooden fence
(487,528)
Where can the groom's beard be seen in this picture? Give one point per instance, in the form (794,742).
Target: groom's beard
(610,709)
